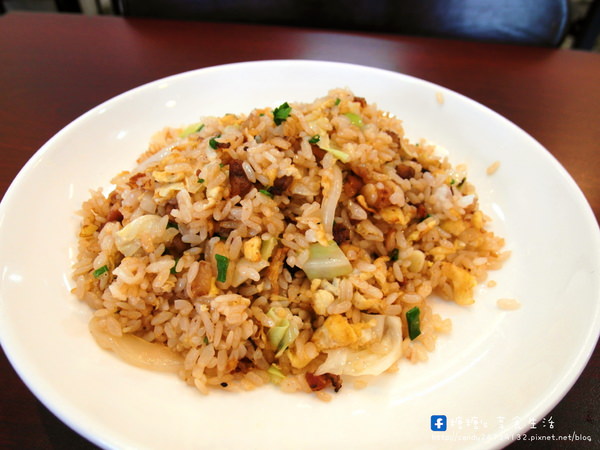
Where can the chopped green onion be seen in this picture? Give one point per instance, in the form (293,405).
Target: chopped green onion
(452,181)
(414,323)
(426,217)
(281,113)
(337,101)
(355,119)
(201,180)
(172,225)
(394,254)
(342,156)
(275,374)
(221,165)
(194,128)
(326,262)
(222,266)
(266,192)
(173,270)
(313,140)
(205,340)
(213,142)
(100,271)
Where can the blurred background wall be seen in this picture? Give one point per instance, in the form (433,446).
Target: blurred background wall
(580,12)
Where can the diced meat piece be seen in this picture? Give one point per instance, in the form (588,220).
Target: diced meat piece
(222,144)
(318,152)
(114,215)
(395,139)
(177,246)
(240,184)
(421,211)
(353,184)
(404,171)
(244,366)
(336,381)
(360,100)
(316,382)
(320,382)
(201,284)
(281,184)
(340,233)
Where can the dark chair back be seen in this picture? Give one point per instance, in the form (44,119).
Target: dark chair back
(531,22)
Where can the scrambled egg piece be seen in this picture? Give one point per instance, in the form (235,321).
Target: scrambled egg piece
(166,177)
(454,227)
(393,214)
(88,230)
(321,301)
(252,249)
(298,361)
(363,303)
(337,332)
(477,220)
(430,224)
(462,283)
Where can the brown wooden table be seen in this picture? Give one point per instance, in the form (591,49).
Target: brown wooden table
(55,67)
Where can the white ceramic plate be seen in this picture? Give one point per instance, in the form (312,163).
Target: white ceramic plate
(490,376)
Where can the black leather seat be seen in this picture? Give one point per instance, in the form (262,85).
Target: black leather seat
(530,22)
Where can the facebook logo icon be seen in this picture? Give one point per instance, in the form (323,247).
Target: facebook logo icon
(438,423)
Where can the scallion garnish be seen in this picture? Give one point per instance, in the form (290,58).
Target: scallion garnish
(201,180)
(266,192)
(222,266)
(313,140)
(213,142)
(194,128)
(394,254)
(100,271)
(337,101)
(414,322)
(281,113)
(172,225)
(355,119)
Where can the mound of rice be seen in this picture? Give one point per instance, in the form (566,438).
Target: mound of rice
(297,245)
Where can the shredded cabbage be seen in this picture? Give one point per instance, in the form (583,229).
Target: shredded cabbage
(282,334)
(150,227)
(326,262)
(374,359)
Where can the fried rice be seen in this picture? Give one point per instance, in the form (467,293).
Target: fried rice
(297,245)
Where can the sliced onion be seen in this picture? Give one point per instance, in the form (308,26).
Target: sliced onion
(331,197)
(136,351)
